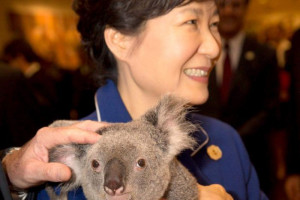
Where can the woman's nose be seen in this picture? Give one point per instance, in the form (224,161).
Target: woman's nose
(210,45)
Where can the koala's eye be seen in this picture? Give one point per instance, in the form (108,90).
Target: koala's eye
(95,164)
(141,163)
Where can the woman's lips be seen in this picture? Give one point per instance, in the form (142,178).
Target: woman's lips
(198,74)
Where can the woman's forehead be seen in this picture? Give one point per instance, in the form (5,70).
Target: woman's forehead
(208,5)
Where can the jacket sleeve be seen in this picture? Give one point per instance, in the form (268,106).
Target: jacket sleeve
(3,185)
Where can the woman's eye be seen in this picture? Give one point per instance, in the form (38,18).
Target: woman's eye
(214,25)
(141,163)
(192,22)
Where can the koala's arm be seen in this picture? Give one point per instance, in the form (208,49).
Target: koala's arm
(182,185)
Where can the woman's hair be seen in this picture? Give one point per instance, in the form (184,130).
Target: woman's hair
(126,16)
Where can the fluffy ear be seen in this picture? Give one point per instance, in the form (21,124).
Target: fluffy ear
(169,117)
(72,156)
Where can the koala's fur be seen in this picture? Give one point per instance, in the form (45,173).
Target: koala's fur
(137,160)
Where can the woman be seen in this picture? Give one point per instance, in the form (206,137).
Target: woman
(145,49)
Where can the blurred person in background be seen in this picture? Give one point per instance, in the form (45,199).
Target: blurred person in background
(47,83)
(60,93)
(244,87)
(18,111)
(292,185)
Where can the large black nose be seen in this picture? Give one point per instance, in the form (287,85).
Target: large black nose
(114,177)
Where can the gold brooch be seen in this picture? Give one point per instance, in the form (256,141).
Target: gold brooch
(214,152)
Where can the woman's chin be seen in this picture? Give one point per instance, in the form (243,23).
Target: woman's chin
(198,99)
(198,102)
(194,97)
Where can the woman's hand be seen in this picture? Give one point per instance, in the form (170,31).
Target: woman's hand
(292,187)
(215,192)
(29,166)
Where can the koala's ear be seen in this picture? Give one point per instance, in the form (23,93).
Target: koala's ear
(169,117)
(70,155)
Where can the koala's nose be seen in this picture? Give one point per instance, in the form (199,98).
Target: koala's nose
(114,177)
(113,188)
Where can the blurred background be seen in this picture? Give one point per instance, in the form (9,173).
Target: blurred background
(54,23)
(49,27)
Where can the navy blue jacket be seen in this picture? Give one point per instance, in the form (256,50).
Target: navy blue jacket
(233,170)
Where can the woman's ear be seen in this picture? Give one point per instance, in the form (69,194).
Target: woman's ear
(118,43)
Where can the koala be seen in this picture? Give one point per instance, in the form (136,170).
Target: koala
(134,160)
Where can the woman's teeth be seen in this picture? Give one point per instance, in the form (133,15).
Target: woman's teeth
(196,72)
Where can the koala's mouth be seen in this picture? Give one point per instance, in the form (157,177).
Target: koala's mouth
(126,196)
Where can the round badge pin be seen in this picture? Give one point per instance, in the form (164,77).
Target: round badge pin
(214,152)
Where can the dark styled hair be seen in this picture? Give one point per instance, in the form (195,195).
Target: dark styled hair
(126,16)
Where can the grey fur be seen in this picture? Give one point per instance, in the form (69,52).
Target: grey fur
(156,138)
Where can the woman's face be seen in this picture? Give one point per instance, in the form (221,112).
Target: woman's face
(175,53)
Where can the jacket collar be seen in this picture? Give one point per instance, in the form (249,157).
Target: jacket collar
(109,105)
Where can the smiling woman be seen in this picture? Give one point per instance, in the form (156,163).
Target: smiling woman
(190,29)
(192,33)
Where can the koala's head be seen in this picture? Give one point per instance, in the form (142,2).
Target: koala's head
(131,160)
